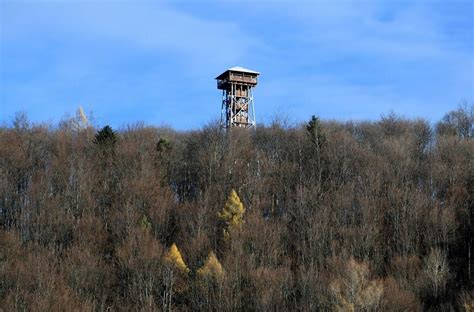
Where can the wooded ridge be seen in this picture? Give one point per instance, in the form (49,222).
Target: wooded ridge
(326,215)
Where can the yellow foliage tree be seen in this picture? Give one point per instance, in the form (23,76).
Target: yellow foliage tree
(212,268)
(232,213)
(174,258)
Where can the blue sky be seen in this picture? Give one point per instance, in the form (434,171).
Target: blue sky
(129,61)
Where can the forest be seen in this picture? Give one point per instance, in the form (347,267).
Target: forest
(317,216)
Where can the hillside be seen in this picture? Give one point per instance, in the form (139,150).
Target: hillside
(319,216)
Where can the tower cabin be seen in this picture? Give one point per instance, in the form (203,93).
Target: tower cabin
(237,85)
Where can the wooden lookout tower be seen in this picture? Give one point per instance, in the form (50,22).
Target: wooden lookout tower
(237,85)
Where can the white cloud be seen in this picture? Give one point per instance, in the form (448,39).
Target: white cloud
(345,58)
(129,26)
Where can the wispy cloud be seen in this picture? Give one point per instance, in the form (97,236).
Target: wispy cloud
(361,59)
(98,46)
(155,61)
(146,26)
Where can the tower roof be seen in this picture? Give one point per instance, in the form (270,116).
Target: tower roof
(240,70)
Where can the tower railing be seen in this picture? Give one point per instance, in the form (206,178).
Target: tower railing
(237,98)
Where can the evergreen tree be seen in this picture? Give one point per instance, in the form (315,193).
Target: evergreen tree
(108,178)
(318,141)
(106,137)
(163,147)
(162,159)
(315,132)
(145,224)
